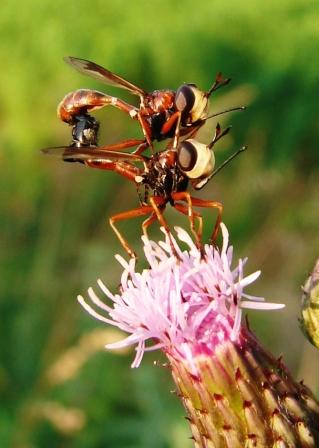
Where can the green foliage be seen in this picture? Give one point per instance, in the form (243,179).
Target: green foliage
(55,240)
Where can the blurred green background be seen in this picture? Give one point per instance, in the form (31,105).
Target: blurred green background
(58,387)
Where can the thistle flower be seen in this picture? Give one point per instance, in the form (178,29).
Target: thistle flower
(235,393)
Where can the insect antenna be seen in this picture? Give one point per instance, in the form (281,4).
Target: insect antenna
(218,134)
(225,112)
(226,162)
(219,82)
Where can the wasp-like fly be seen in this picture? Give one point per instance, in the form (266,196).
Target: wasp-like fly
(162,114)
(165,176)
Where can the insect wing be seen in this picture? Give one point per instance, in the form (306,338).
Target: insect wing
(87,153)
(56,151)
(91,153)
(102,74)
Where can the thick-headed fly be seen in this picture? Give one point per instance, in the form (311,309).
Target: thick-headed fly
(165,177)
(162,114)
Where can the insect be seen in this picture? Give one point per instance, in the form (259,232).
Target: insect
(166,174)
(162,114)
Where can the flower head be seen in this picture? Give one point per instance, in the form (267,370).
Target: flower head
(235,393)
(186,307)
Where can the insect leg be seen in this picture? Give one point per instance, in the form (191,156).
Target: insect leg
(123,145)
(141,148)
(146,130)
(184,209)
(186,197)
(141,211)
(158,204)
(125,169)
(175,119)
(148,222)
(186,133)
(211,204)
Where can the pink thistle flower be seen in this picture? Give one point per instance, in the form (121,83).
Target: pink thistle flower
(185,308)
(236,394)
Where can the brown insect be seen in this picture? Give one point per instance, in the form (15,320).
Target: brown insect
(162,114)
(166,174)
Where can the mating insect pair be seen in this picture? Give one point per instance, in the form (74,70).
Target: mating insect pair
(162,114)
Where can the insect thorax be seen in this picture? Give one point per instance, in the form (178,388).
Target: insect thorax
(164,178)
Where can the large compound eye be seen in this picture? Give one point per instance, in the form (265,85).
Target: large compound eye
(185,98)
(191,102)
(195,159)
